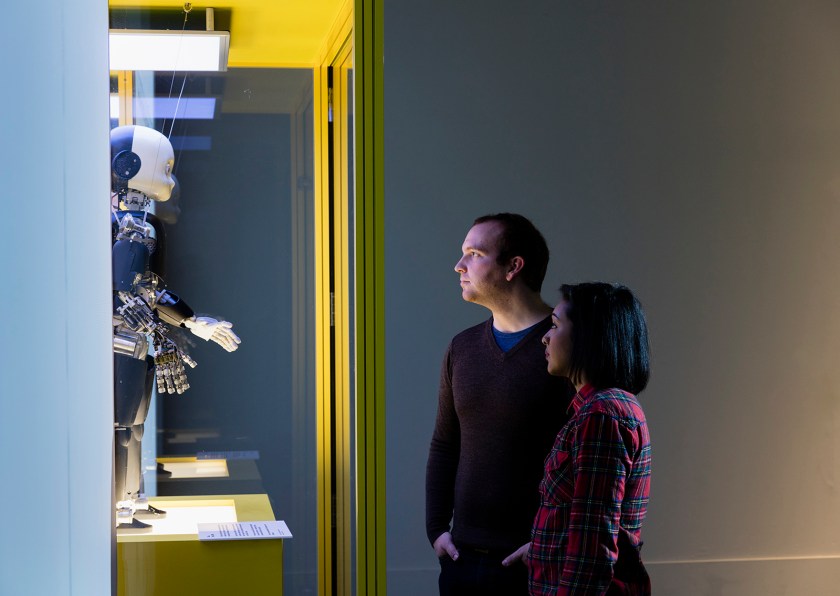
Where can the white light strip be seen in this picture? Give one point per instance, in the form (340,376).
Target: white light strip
(184,519)
(189,108)
(140,49)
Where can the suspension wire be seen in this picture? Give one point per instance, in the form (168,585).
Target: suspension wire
(177,104)
(187,9)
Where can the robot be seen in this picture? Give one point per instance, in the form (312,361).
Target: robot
(146,314)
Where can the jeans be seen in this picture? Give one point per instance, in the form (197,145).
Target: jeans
(480,573)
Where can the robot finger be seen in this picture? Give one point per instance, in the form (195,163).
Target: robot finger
(228,343)
(170,383)
(226,339)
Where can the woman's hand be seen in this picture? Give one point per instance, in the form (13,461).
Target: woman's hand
(520,554)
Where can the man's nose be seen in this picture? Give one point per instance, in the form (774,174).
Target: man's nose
(459,267)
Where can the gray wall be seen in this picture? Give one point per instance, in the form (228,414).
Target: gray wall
(689,150)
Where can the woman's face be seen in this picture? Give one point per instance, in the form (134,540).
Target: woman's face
(558,342)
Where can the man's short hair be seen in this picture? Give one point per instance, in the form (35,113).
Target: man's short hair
(521,238)
(609,336)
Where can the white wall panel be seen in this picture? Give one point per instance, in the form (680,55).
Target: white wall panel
(55,368)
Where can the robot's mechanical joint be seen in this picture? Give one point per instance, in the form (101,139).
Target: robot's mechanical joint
(132,229)
(136,314)
(133,199)
(136,230)
(130,343)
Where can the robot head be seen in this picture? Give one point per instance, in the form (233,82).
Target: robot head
(141,160)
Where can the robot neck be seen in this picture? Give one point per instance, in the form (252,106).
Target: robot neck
(134,200)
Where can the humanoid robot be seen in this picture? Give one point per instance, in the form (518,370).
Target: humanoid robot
(145,312)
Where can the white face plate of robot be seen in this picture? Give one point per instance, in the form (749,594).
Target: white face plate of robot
(157,158)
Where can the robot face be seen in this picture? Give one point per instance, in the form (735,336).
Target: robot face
(156,161)
(142,159)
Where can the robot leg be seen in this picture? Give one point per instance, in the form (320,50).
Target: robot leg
(142,509)
(130,381)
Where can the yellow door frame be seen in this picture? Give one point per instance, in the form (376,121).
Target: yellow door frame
(333,321)
(356,42)
(370,298)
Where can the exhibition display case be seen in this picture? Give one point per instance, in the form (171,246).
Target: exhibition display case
(171,559)
(236,241)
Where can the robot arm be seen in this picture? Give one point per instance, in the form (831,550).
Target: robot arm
(171,309)
(219,331)
(174,311)
(169,359)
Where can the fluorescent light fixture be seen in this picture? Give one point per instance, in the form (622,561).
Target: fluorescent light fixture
(151,108)
(188,108)
(143,49)
(191,143)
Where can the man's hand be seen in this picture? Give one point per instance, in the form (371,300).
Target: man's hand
(444,546)
(520,554)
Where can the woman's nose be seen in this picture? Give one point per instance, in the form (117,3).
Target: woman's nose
(545,339)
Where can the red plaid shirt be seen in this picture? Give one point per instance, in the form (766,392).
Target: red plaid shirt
(596,485)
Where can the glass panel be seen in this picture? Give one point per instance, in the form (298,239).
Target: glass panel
(238,246)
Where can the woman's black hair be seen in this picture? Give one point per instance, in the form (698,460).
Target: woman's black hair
(609,336)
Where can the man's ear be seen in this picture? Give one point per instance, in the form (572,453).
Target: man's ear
(514,268)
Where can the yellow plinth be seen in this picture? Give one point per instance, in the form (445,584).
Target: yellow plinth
(177,563)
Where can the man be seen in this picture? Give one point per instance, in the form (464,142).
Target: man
(499,412)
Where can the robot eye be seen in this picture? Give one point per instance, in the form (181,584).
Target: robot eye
(168,168)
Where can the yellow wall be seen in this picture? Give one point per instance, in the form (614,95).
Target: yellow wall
(286,34)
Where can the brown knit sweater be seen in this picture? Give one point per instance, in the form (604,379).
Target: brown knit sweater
(498,415)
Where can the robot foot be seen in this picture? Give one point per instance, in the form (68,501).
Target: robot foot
(150,512)
(133,527)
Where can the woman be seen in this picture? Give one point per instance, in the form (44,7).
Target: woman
(594,494)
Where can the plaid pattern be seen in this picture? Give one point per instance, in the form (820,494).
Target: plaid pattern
(597,481)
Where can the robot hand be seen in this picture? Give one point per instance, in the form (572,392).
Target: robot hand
(170,373)
(169,365)
(219,331)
